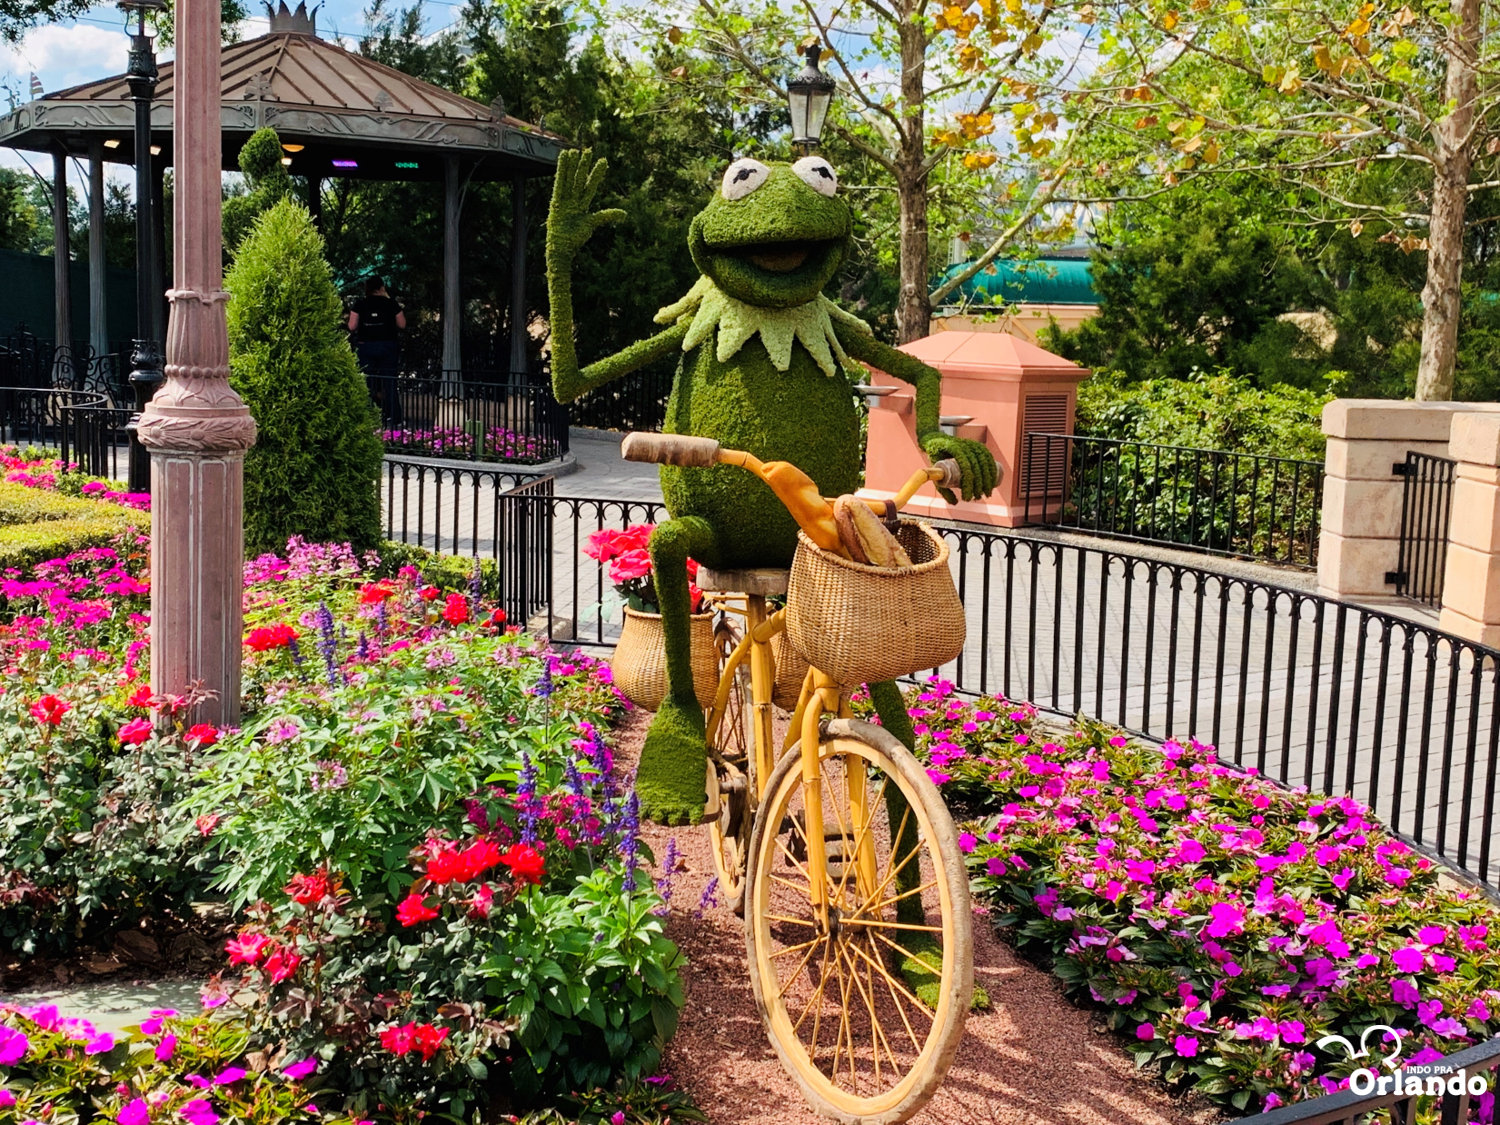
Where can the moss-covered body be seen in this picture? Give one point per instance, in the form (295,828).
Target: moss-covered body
(763,370)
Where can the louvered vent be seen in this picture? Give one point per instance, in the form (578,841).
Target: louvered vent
(1045,463)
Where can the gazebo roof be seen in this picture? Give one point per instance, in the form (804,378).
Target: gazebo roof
(350,116)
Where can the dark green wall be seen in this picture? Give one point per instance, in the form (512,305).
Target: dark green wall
(26,296)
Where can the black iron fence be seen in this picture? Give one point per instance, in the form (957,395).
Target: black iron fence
(38,415)
(1239,504)
(1452,1103)
(1426,509)
(480,513)
(512,422)
(637,402)
(93,436)
(1309,691)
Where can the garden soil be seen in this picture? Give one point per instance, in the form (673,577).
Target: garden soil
(1032,1059)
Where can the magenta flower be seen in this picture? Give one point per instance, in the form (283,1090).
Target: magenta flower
(135,1112)
(1432,935)
(228,1074)
(1405,993)
(1408,960)
(1186,1046)
(99,1044)
(13,1045)
(1225,919)
(299,1070)
(199,1111)
(1146,1032)
(1478,1010)
(166,1048)
(158,1016)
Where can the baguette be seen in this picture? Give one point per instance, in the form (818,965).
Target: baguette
(865,538)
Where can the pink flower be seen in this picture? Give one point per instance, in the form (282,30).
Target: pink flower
(7,1099)
(99,1044)
(1225,919)
(299,1070)
(153,1025)
(135,732)
(166,1048)
(1408,960)
(135,1112)
(1186,1046)
(199,1111)
(228,1075)
(246,950)
(1145,1032)
(13,1045)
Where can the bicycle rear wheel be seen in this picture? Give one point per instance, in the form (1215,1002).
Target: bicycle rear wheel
(865,1007)
(730,784)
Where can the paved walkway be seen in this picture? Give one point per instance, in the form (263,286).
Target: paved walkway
(1173,644)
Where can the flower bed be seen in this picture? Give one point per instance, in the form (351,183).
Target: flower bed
(1222,923)
(495,444)
(36,468)
(421,794)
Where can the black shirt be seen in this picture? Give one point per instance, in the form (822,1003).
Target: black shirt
(377,319)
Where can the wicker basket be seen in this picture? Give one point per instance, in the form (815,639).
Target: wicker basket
(790,670)
(639,665)
(868,624)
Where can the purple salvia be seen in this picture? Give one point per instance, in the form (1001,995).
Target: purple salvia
(709,900)
(328,644)
(526,800)
(630,830)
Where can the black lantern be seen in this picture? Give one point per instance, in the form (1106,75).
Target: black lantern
(145,359)
(810,95)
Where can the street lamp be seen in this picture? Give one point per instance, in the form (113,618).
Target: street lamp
(145,357)
(810,95)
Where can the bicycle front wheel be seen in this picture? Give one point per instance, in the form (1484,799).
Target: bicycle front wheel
(864,1002)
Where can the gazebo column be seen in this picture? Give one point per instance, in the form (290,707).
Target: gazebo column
(315,201)
(62,295)
(518,274)
(452,316)
(196,427)
(98,318)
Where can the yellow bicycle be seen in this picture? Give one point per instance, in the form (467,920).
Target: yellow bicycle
(838,850)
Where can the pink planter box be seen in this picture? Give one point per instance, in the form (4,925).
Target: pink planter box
(1005,387)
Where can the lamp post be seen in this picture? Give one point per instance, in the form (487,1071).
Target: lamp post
(145,357)
(810,94)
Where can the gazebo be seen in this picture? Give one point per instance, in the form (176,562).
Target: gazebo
(337,114)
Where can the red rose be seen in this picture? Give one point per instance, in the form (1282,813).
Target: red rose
(308,889)
(429,593)
(49,710)
(398,1040)
(456,612)
(135,732)
(246,949)
(413,910)
(428,1039)
(272,636)
(375,593)
(282,964)
(204,734)
(141,697)
(525,863)
(497,618)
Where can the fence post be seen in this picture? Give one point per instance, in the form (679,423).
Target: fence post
(1359,543)
(1471,580)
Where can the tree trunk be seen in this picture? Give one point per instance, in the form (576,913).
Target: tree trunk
(1445,232)
(913,311)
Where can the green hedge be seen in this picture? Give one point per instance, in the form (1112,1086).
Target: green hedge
(19,504)
(37,524)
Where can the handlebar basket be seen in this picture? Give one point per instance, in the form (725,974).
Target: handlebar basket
(869,624)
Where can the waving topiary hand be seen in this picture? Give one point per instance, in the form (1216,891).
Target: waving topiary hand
(976,463)
(570,223)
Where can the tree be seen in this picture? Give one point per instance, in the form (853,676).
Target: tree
(314,469)
(19,221)
(1315,97)
(267,182)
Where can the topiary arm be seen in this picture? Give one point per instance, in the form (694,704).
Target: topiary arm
(975,461)
(612,367)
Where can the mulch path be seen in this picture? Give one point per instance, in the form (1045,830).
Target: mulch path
(1033,1058)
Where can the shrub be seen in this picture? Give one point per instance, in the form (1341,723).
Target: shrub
(314,468)
(1225,924)
(268,183)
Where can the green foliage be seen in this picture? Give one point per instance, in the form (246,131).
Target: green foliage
(314,468)
(1205,411)
(20,504)
(267,182)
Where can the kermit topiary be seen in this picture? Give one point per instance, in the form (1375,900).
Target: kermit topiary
(763,369)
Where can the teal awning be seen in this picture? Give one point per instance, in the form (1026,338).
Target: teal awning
(1038,281)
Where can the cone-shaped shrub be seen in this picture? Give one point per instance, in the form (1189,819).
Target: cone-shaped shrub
(315,466)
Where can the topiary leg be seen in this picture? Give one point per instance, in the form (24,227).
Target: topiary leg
(895,718)
(670,779)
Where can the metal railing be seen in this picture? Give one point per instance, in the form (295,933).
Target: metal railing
(1349,1108)
(479,513)
(1310,691)
(1221,503)
(637,402)
(516,423)
(1426,509)
(38,415)
(93,436)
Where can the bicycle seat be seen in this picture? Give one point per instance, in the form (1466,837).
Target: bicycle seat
(766,581)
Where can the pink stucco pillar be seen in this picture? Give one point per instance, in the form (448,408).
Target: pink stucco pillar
(196,427)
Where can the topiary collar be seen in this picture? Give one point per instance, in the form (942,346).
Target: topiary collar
(811,323)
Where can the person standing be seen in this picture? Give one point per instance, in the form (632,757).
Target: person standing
(375,322)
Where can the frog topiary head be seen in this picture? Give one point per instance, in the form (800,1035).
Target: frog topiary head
(773,235)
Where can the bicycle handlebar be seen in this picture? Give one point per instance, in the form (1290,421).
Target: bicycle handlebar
(671,449)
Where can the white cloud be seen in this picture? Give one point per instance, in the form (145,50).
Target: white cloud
(65,56)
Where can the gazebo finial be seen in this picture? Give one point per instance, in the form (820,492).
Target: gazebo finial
(300,22)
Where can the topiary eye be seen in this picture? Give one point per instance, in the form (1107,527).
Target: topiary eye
(743,177)
(817,174)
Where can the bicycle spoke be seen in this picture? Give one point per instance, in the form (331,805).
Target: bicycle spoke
(895,999)
(794,949)
(901,949)
(812,948)
(881,923)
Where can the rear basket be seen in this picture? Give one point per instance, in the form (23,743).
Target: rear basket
(869,624)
